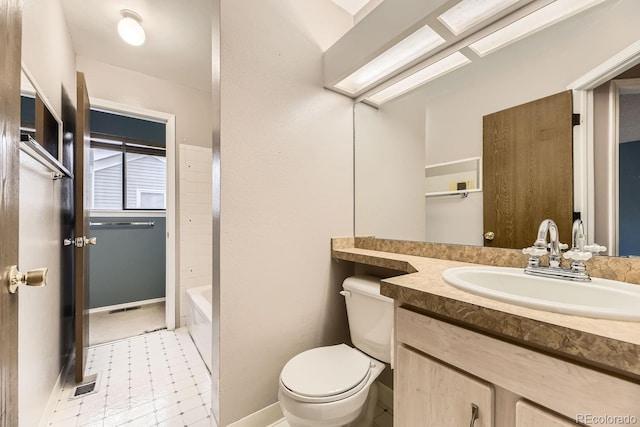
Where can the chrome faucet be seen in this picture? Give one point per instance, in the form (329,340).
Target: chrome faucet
(578,253)
(578,237)
(549,227)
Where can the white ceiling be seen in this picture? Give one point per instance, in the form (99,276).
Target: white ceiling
(351,6)
(178,36)
(178,43)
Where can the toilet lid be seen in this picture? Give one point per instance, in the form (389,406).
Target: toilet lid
(325,371)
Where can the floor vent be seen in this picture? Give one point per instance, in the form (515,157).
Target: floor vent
(88,386)
(121,310)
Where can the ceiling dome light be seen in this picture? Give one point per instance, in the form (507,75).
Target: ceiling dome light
(130,28)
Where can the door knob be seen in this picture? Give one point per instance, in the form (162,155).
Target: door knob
(37,277)
(80,242)
(489,235)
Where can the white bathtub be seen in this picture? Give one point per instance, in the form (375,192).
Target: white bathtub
(200,320)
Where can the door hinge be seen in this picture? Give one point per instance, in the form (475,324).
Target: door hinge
(575,119)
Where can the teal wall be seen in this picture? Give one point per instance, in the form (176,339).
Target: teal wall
(629,208)
(128,263)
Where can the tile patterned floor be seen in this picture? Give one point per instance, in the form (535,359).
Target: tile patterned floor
(383,417)
(156,379)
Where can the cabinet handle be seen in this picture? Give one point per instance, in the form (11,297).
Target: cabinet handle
(474,414)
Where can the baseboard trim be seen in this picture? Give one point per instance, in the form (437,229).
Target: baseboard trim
(264,417)
(55,393)
(125,305)
(272,414)
(385,396)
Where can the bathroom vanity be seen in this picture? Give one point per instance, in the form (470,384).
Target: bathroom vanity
(444,369)
(463,359)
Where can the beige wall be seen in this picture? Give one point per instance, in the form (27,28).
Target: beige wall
(192,107)
(603,158)
(48,54)
(286,188)
(47,50)
(389,172)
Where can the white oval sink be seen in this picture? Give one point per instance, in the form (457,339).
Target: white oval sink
(600,298)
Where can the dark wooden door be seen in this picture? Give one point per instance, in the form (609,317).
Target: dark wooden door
(528,170)
(82,229)
(11,28)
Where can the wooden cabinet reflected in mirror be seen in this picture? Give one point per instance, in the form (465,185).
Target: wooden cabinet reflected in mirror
(47,129)
(40,127)
(28,114)
(37,121)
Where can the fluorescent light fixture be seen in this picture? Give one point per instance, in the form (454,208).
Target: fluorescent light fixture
(130,28)
(428,73)
(469,13)
(535,21)
(402,53)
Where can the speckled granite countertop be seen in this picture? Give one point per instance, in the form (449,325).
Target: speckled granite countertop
(610,345)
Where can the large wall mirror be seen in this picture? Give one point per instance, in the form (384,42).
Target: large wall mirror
(442,122)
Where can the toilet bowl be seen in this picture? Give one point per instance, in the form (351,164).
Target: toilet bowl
(329,387)
(334,386)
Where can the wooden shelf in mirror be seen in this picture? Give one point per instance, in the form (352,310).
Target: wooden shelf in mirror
(459,177)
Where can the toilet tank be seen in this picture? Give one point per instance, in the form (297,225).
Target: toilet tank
(370,316)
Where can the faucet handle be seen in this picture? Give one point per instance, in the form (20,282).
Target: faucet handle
(595,248)
(577,255)
(534,251)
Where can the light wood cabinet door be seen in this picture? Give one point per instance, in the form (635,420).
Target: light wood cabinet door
(528,415)
(430,394)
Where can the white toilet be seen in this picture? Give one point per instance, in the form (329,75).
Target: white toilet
(334,386)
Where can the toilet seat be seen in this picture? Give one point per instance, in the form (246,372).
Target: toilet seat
(325,374)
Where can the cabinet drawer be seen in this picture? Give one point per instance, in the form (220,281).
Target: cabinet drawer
(564,387)
(528,415)
(432,394)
